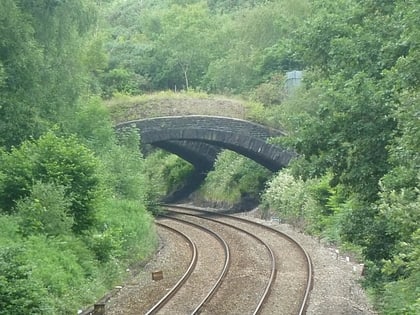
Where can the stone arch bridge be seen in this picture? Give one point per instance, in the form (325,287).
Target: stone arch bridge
(198,139)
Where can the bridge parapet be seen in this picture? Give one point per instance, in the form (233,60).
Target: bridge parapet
(203,122)
(244,137)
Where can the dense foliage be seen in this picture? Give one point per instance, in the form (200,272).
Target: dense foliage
(41,63)
(68,215)
(217,46)
(166,173)
(357,131)
(354,121)
(73,197)
(234,179)
(63,162)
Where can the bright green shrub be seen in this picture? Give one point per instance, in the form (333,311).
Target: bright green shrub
(64,266)
(233,177)
(166,173)
(20,293)
(402,296)
(93,126)
(45,211)
(175,171)
(398,246)
(288,197)
(107,244)
(124,166)
(15,178)
(118,233)
(125,231)
(9,230)
(60,160)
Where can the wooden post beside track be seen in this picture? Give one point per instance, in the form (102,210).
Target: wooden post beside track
(99,309)
(157,275)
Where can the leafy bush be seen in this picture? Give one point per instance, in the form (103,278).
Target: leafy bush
(122,167)
(124,227)
(233,177)
(92,124)
(45,211)
(64,266)
(402,296)
(271,92)
(120,80)
(20,293)
(125,231)
(312,205)
(54,275)
(288,197)
(9,230)
(166,173)
(49,175)
(59,160)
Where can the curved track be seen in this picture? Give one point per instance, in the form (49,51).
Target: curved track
(223,265)
(294,275)
(184,278)
(170,302)
(240,268)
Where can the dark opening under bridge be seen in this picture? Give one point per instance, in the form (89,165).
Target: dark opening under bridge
(198,139)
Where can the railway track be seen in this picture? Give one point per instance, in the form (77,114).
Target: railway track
(192,292)
(230,266)
(252,272)
(290,292)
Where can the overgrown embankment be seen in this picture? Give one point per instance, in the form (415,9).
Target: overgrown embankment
(73,215)
(124,107)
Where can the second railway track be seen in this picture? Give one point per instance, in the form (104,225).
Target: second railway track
(243,287)
(189,296)
(240,267)
(290,292)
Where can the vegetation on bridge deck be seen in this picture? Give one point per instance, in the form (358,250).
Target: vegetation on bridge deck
(169,103)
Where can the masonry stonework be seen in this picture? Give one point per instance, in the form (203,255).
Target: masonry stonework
(198,139)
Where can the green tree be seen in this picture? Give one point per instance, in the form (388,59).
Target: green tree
(253,45)
(353,125)
(42,73)
(349,135)
(19,292)
(60,31)
(362,125)
(20,59)
(184,44)
(45,211)
(52,159)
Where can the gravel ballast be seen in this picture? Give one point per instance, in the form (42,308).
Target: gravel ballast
(336,289)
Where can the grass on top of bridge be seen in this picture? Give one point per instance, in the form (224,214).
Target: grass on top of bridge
(168,103)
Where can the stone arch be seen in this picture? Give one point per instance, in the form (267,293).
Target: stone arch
(199,138)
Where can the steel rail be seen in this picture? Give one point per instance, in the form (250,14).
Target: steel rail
(184,278)
(271,280)
(225,266)
(308,260)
